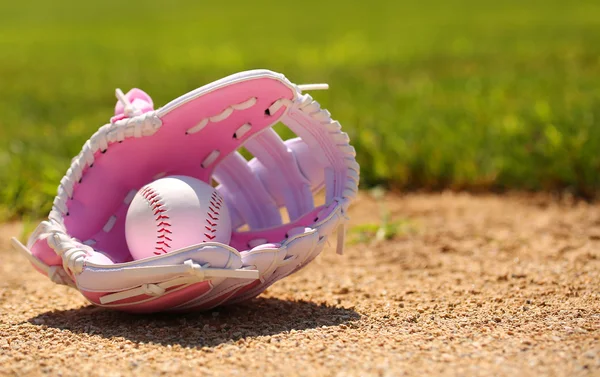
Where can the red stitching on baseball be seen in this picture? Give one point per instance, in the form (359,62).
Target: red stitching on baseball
(215,204)
(163,227)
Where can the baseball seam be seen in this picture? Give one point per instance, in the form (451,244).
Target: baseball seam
(212,215)
(163,224)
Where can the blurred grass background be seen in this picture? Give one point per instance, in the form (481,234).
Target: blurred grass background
(434,94)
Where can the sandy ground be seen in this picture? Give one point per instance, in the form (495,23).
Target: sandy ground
(467,286)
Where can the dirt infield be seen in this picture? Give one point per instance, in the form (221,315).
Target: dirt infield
(465,286)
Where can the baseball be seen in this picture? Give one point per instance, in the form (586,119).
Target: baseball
(175,212)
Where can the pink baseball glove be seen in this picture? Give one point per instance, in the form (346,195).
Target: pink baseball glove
(82,244)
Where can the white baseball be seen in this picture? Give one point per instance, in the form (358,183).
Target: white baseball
(175,212)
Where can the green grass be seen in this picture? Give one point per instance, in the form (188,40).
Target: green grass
(434,93)
(385,229)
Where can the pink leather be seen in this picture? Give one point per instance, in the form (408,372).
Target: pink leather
(308,164)
(304,127)
(132,164)
(245,193)
(240,240)
(140,101)
(208,304)
(276,167)
(42,251)
(174,298)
